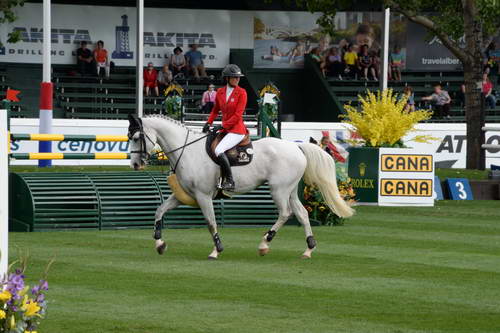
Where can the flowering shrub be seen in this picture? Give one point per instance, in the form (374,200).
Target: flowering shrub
(173,106)
(383,121)
(317,208)
(21,308)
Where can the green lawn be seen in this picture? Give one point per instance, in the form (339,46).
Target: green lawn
(387,270)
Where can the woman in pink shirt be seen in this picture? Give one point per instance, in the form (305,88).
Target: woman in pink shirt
(489,97)
(208,99)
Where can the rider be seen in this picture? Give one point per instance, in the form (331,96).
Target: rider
(231,100)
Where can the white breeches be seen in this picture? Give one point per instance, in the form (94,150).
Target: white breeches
(228,142)
(103,65)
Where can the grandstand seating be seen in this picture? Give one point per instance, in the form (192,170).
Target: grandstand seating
(346,91)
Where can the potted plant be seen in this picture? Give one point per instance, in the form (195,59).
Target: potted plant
(380,122)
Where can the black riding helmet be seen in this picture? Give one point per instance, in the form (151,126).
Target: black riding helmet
(232,70)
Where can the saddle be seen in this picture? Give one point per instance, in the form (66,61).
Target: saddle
(241,154)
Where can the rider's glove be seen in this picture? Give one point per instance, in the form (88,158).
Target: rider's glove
(206,128)
(218,128)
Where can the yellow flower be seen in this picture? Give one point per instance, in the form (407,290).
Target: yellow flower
(382,119)
(12,322)
(30,307)
(30,331)
(2,314)
(5,296)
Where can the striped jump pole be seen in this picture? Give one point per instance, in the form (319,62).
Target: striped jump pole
(68,137)
(70,156)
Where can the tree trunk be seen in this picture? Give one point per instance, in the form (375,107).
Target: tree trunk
(474,112)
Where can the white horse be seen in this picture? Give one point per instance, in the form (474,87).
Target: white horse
(278,162)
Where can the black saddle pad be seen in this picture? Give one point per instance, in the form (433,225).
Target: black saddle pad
(240,155)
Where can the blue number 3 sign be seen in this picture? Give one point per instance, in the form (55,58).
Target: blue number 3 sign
(459,189)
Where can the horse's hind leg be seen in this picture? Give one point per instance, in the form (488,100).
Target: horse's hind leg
(169,204)
(281,200)
(207,208)
(301,214)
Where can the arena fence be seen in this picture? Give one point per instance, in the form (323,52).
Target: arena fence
(42,201)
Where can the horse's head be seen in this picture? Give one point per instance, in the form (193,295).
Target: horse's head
(142,141)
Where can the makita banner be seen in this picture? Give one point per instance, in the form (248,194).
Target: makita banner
(164,29)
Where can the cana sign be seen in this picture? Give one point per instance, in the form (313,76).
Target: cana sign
(405,177)
(406,163)
(406,187)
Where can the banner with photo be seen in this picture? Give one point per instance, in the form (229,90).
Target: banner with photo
(164,29)
(281,39)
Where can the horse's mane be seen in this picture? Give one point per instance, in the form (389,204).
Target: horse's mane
(172,120)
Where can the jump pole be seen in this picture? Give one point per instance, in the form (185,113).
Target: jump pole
(4,194)
(46,87)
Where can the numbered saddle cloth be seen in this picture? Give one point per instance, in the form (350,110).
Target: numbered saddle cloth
(242,154)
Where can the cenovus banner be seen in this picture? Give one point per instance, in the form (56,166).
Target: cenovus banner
(164,29)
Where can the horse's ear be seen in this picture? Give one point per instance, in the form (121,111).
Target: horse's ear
(133,120)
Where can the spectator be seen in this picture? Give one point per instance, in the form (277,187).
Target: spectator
(101,59)
(178,62)
(489,97)
(164,77)
(350,58)
(460,96)
(490,59)
(365,63)
(316,56)
(333,63)
(396,63)
(208,99)
(84,59)
(410,101)
(441,100)
(150,79)
(195,62)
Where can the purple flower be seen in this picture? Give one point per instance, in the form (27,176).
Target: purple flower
(44,285)
(35,290)
(40,298)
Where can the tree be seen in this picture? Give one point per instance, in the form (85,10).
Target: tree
(7,15)
(449,20)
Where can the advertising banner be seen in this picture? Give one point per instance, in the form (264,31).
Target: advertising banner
(164,29)
(428,53)
(405,177)
(448,149)
(281,39)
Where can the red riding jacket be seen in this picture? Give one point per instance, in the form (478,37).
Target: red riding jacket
(232,110)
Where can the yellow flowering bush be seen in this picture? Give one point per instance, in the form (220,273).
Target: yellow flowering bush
(383,120)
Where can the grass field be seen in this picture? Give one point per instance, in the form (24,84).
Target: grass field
(391,270)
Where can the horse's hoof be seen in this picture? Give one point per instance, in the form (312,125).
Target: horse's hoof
(212,258)
(263,252)
(161,248)
(305,256)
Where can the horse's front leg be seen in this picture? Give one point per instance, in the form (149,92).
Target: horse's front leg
(169,204)
(207,208)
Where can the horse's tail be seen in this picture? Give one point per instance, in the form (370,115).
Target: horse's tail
(320,171)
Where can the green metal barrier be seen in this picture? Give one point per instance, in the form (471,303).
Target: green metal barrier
(115,200)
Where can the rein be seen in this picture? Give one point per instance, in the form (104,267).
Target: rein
(143,151)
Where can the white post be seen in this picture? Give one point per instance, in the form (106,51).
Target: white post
(4,194)
(46,87)
(140,57)
(385,48)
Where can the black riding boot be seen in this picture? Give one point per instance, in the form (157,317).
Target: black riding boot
(227,175)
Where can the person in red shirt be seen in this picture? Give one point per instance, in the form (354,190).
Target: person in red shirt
(489,97)
(231,100)
(101,58)
(150,79)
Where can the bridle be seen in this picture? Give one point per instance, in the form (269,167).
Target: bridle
(144,155)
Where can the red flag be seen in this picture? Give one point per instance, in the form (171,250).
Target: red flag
(12,95)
